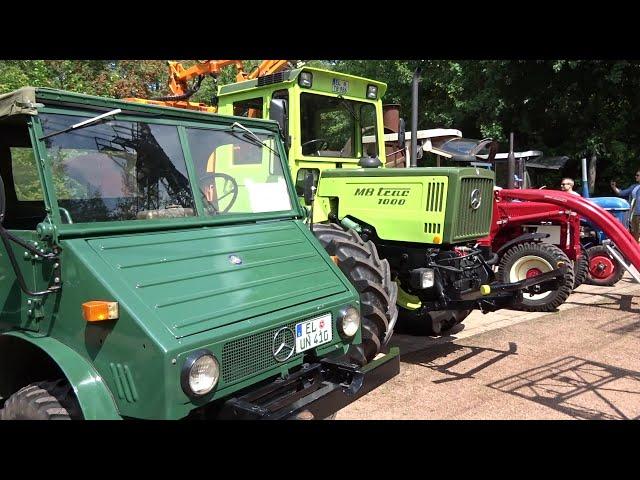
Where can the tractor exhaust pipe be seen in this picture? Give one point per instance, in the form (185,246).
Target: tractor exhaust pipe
(585,179)
(414,116)
(511,165)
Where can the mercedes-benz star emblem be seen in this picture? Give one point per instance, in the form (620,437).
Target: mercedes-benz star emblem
(235,260)
(476,199)
(284,344)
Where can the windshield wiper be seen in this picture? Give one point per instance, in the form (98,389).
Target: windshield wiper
(84,123)
(348,108)
(252,137)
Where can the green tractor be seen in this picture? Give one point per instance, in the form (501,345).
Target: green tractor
(155,264)
(398,234)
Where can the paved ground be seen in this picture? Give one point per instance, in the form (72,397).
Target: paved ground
(581,362)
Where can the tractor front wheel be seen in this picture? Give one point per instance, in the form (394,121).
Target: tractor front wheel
(604,270)
(371,277)
(581,269)
(529,259)
(42,401)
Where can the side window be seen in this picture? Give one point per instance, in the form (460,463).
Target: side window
(252,108)
(25,174)
(369,133)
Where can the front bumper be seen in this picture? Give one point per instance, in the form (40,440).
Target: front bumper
(316,391)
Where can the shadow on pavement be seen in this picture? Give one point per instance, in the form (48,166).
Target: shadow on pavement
(620,302)
(580,388)
(457,361)
(622,325)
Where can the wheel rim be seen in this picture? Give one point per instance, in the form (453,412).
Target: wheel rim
(527,267)
(601,267)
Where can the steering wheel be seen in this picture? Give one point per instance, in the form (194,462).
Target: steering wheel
(229,188)
(323,144)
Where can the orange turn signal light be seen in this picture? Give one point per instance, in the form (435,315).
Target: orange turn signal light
(335,259)
(99,310)
(437,239)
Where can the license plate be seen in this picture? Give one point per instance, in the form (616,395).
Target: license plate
(314,332)
(340,86)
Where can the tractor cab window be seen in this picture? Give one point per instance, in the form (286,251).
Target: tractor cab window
(238,173)
(251,108)
(335,127)
(117,170)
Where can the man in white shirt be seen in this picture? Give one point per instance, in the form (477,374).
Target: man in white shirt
(566,185)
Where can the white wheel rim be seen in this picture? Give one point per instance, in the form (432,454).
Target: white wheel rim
(525,264)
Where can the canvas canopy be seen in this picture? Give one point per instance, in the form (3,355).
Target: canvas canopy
(18,102)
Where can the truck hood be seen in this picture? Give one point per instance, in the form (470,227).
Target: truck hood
(199,279)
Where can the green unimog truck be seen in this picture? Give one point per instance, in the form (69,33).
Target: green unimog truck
(155,264)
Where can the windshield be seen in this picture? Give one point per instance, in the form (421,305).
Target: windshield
(335,127)
(117,170)
(236,173)
(133,170)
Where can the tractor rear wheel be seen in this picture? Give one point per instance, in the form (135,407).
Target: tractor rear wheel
(42,401)
(371,277)
(529,259)
(581,269)
(604,270)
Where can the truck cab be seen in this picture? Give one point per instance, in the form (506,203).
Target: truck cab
(155,264)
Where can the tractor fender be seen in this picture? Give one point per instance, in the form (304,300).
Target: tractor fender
(93,395)
(525,237)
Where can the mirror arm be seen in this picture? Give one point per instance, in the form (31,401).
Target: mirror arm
(6,236)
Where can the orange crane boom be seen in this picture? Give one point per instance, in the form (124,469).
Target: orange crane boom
(180,78)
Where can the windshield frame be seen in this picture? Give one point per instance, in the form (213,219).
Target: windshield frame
(346,98)
(199,219)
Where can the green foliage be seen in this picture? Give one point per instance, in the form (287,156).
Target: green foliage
(563,107)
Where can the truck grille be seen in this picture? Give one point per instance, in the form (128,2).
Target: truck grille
(250,355)
(470,223)
(435,195)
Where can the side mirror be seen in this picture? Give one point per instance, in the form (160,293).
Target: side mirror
(278,112)
(309,188)
(402,133)
(3,201)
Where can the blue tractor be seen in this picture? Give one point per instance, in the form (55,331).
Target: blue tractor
(604,268)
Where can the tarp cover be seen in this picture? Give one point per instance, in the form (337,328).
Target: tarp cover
(18,102)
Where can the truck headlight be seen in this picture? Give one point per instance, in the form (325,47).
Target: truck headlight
(422,278)
(200,373)
(348,322)
(305,79)
(372,92)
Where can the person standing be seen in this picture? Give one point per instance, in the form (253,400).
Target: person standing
(633,193)
(566,185)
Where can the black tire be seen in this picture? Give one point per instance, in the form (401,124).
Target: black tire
(543,255)
(41,401)
(580,269)
(604,273)
(371,277)
(422,323)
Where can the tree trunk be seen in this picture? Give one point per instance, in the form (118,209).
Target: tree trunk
(592,173)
